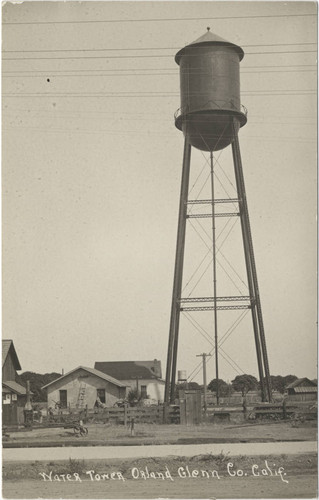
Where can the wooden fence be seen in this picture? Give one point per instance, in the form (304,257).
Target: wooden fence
(155,414)
(298,410)
(115,415)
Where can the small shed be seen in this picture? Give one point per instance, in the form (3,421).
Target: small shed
(302,389)
(81,387)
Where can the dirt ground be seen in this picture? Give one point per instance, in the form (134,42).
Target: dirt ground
(206,476)
(247,477)
(100,434)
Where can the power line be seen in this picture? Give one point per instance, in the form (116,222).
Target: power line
(144,56)
(86,74)
(141,113)
(92,96)
(149,48)
(158,19)
(138,116)
(155,94)
(152,69)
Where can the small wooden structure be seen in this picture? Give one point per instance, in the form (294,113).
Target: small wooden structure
(302,389)
(190,407)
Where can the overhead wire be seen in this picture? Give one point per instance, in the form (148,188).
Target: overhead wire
(260,67)
(152,94)
(142,20)
(230,330)
(88,75)
(138,56)
(108,49)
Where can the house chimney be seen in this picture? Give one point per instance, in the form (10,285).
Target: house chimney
(157,368)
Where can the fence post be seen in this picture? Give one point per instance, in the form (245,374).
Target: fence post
(165,413)
(132,427)
(284,409)
(125,414)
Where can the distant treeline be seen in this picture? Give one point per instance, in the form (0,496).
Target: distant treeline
(37,381)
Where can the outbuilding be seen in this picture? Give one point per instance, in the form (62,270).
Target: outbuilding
(302,389)
(82,387)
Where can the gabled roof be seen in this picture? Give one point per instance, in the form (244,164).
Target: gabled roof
(305,389)
(210,38)
(124,370)
(15,387)
(7,345)
(301,382)
(93,371)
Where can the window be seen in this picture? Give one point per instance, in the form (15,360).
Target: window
(143,392)
(63,399)
(101,395)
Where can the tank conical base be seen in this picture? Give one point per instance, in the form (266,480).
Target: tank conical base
(210,131)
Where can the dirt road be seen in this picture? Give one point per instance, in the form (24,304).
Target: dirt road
(203,476)
(104,452)
(298,487)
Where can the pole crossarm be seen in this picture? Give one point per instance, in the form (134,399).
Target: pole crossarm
(213,308)
(206,216)
(206,202)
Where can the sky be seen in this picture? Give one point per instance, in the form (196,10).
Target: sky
(91,172)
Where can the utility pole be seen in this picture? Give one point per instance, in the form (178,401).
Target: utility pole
(203,356)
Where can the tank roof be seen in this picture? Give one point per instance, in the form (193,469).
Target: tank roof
(209,38)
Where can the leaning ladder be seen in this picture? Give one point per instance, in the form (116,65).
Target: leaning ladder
(81,396)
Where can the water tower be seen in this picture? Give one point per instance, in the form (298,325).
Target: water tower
(210,117)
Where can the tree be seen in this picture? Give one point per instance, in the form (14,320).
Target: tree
(245,383)
(224,388)
(279,383)
(133,397)
(37,381)
(289,379)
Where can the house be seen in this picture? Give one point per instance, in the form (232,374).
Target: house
(302,389)
(81,387)
(145,376)
(13,393)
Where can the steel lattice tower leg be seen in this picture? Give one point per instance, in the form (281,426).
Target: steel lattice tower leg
(251,273)
(178,275)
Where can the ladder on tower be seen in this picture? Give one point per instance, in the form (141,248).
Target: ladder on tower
(81,396)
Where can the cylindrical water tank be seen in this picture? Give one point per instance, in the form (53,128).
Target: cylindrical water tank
(181,375)
(210,92)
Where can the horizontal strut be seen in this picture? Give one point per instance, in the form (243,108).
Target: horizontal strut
(206,216)
(211,299)
(209,202)
(212,308)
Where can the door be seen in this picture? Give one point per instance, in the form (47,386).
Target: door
(63,399)
(10,414)
(101,395)
(190,407)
